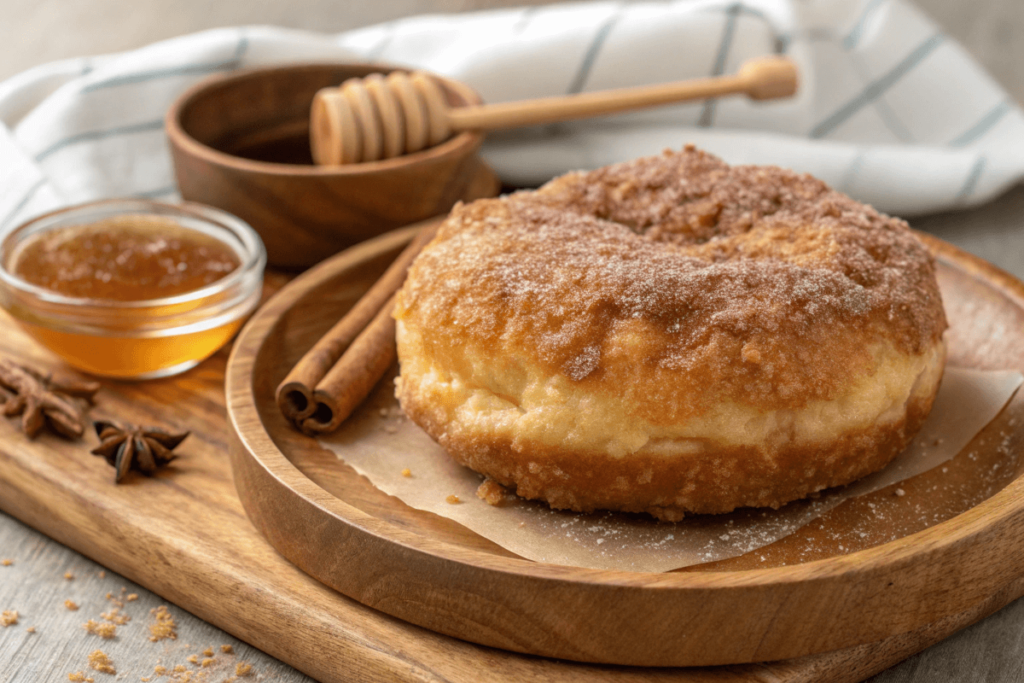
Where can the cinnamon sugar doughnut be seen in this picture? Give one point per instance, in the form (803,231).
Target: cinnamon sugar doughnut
(671,335)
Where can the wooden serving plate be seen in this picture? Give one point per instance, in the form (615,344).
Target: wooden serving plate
(908,568)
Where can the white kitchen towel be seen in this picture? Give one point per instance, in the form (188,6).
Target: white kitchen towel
(890,110)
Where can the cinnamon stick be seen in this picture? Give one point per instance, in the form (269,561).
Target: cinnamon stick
(295,394)
(355,374)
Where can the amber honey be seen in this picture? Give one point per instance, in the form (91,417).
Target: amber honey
(133,295)
(123,258)
(127,357)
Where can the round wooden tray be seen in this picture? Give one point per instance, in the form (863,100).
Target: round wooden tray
(875,567)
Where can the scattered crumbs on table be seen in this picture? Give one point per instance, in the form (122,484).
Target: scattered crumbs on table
(115,616)
(452,499)
(144,679)
(102,574)
(193,659)
(71,605)
(159,670)
(164,627)
(243,669)
(180,668)
(68,576)
(99,661)
(9,617)
(98,628)
(208,652)
(227,649)
(406,472)
(31,629)
(132,597)
(208,661)
(6,562)
(119,599)
(79,677)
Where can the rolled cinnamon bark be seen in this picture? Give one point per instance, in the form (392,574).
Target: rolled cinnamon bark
(355,374)
(295,394)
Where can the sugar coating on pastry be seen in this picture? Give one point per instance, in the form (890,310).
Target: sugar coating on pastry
(671,335)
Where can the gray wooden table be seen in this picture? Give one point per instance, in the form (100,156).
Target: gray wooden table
(39,31)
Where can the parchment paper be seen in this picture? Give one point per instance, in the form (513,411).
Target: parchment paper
(379,443)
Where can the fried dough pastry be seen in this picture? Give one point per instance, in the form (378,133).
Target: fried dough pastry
(671,335)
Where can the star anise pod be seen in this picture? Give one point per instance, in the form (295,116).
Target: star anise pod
(143,448)
(44,401)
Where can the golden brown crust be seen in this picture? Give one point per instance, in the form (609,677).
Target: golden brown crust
(719,479)
(771,302)
(671,285)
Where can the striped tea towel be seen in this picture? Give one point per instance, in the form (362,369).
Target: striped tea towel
(890,110)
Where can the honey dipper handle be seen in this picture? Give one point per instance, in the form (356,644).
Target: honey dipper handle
(760,79)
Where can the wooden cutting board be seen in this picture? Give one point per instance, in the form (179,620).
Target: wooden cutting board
(184,535)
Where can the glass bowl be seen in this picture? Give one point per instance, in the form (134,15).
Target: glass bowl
(136,339)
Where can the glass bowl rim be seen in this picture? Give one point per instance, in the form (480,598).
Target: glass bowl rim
(254,258)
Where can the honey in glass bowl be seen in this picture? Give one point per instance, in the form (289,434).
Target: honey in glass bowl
(132,289)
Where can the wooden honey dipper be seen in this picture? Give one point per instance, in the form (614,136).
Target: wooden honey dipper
(382,117)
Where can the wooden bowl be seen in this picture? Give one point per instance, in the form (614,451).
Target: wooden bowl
(240,142)
(881,568)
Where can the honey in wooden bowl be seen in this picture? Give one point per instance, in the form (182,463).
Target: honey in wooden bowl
(132,288)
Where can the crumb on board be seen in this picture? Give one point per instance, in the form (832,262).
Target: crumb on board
(98,628)
(208,652)
(68,576)
(164,627)
(114,616)
(491,492)
(6,562)
(9,617)
(71,605)
(406,472)
(452,499)
(243,669)
(99,661)
(227,649)
(900,492)
(119,599)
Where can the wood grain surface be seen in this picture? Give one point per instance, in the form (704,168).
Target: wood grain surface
(184,535)
(35,32)
(408,557)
